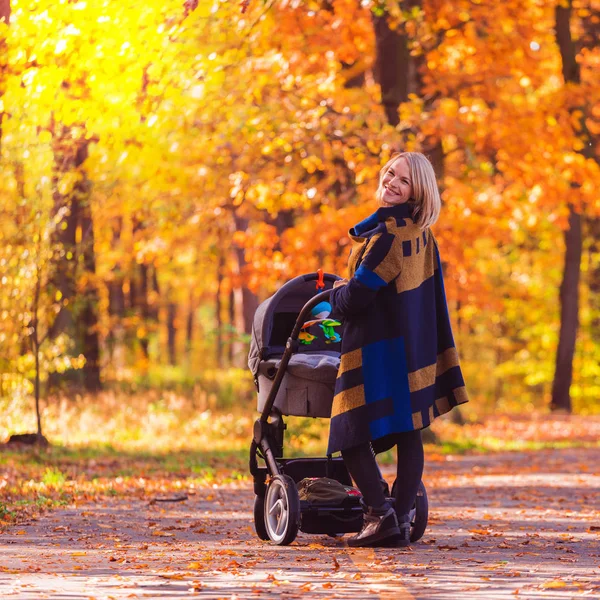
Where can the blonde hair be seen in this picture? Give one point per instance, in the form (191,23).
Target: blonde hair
(425,190)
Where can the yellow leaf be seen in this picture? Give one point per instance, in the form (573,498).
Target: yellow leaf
(555,583)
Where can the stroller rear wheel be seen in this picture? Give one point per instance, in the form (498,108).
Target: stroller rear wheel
(259,518)
(418,514)
(281,510)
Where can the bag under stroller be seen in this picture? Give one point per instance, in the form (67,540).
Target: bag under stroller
(294,358)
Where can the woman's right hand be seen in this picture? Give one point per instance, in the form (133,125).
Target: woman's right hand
(339,282)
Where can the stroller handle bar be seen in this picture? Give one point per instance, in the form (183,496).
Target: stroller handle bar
(290,347)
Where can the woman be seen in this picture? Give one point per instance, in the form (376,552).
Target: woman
(399,367)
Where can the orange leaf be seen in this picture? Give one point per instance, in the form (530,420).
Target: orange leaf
(480,531)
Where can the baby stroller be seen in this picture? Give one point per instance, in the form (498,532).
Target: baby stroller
(294,370)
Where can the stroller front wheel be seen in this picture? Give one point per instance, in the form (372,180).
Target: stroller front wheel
(282,510)
(419,515)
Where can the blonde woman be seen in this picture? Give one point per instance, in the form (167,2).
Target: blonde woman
(399,368)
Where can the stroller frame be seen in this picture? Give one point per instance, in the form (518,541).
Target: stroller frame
(278,511)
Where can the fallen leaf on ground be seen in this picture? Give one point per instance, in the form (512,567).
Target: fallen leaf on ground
(555,583)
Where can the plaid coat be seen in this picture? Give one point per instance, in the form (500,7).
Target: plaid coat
(399,367)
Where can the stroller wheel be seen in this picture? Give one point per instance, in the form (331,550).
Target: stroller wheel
(282,510)
(259,518)
(418,514)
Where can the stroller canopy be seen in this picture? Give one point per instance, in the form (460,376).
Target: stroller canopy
(276,316)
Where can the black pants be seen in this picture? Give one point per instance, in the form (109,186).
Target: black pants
(362,466)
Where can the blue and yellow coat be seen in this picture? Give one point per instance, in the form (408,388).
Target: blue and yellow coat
(399,367)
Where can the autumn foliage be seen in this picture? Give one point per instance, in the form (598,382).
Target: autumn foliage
(167,165)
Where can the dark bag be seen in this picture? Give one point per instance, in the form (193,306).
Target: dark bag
(323,490)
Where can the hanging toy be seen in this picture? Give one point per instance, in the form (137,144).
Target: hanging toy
(306,338)
(320,313)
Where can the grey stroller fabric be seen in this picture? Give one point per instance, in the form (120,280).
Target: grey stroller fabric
(256,342)
(308,385)
(317,367)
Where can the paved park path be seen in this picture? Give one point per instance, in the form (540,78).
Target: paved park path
(510,525)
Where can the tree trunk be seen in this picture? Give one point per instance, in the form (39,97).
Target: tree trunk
(237,313)
(594,277)
(354,74)
(116,310)
(88,320)
(35,343)
(153,304)
(132,296)
(499,381)
(144,292)
(391,67)
(568,53)
(569,315)
(218,309)
(73,213)
(231,326)
(246,298)
(569,289)
(250,300)
(21,215)
(38,413)
(435,153)
(142,300)
(171,332)
(189,327)
(245,302)
(67,210)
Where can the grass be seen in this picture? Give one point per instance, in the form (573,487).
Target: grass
(162,443)
(53,477)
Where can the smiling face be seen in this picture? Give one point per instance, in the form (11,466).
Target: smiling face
(396,185)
